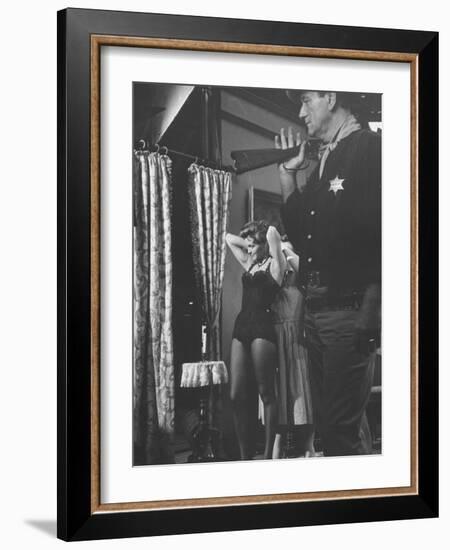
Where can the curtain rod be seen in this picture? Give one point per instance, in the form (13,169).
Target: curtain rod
(144,146)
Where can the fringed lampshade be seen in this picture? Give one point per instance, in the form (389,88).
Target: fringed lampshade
(203,373)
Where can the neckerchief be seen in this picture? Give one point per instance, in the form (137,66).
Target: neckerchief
(349,126)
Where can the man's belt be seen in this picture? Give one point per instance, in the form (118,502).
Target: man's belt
(334,302)
(316,278)
(321,296)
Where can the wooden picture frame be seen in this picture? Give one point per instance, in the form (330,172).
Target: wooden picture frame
(81,36)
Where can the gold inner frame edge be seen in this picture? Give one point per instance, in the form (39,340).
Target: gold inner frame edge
(210,46)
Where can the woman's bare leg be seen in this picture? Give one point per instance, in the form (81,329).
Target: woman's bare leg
(238,395)
(276,453)
(264,358)
(309,442)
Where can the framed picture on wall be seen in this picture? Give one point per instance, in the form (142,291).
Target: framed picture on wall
(194,376)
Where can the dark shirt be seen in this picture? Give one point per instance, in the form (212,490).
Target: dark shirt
(339,233)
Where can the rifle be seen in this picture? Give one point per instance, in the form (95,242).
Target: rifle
(251,159)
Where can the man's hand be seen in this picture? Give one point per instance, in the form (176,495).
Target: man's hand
(287,142)
(367,326)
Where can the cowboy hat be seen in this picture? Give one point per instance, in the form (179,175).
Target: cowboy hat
(366,105)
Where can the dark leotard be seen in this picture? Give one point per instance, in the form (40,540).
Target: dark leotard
(256,318)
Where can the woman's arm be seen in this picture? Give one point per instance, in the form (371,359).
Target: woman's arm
(279,263)
(238,247)
(292,259)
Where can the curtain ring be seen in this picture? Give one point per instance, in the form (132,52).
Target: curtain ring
(157,147)
(166,152)
(141,143)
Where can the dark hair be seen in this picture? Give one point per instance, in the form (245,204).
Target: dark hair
(256,230)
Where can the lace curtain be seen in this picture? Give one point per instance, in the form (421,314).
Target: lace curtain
(209,196)
(154,382)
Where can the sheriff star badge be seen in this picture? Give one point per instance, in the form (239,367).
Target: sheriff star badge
(336,185)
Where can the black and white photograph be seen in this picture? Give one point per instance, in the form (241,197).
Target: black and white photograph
(257,246)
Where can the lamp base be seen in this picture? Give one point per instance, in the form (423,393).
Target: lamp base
(205,445)
(206,438)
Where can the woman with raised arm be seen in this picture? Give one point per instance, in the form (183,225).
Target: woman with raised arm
(254,340)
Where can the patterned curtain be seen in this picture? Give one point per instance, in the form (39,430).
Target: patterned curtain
(209,196)
(154,382)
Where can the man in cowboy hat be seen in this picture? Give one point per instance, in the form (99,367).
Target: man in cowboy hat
(334,222)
